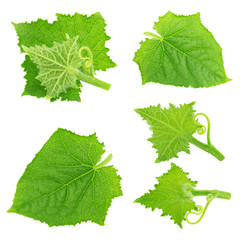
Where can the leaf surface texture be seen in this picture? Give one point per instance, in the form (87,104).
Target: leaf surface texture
(171,194)
(171,128)
(90,31)
(184,53)
(63,186)
(56,65)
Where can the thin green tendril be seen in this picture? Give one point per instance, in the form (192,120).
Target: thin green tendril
(201,128)
(200,210)
(88,60)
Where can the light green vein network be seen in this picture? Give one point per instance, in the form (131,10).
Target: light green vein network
(65,184)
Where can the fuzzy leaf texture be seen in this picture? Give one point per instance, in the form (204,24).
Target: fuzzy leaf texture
(182,53)
(174,194)
(56,65)
(171,194)
(90,31)
(171,128)
(33,86)
(65,185)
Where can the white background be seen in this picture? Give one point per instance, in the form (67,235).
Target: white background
(27,122)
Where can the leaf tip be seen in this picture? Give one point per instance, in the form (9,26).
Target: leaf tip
(98,14)
(137,110)
(158,160)
(173,164)
(10,210)
(192,103)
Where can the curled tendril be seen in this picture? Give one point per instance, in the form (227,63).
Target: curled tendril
(88,59)
(200,210)
(201,128)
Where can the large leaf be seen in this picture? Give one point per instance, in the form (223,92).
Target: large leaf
(65,185)
(90,31)
(184,53)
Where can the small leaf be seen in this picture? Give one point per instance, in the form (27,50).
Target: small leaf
(63,185)
(184,53)
(171,128)
(172,194)
(56,65)
(33,86)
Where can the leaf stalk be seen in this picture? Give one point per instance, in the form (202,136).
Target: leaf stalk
(211,194)
(104,162)
(215,193)
(207,148)
(91,79)
(149,34)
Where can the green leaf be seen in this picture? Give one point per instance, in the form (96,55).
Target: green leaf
(184,53)
(62,66)
(72,94)
(65,184)
(33,86)
(174,195)
(90,32)
(173,129)
(56,65)
(171,194)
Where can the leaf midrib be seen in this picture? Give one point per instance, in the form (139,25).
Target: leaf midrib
(158,120)
(177,49)
(64,185)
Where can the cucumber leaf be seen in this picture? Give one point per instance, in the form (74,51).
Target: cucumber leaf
(33,86)
(65,184)
(56,65)
(90,31)
(172,130)
(174,194)
(182,53)
(171,194)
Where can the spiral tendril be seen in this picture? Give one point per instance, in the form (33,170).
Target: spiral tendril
(201,128)
(87,60)
(200,210)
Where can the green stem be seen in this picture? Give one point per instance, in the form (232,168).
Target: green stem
(215,193)
(210,195)
(91,80)
(104,162)
(149,34)
(207,148)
